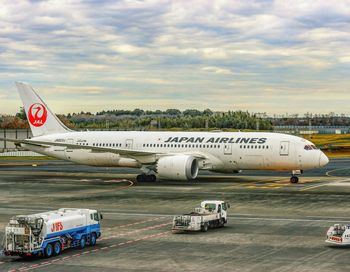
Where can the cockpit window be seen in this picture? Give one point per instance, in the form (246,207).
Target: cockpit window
(310,147)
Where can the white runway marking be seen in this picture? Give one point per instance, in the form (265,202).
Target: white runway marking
(288,219)
(328,173)
(325,184)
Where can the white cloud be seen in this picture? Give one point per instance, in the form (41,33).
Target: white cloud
(217,70)
(172,51)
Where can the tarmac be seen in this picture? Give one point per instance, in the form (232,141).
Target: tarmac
(273,225)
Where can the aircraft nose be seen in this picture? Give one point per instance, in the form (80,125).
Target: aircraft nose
(323,159)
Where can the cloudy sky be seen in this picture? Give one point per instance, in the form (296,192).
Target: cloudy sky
(263,56)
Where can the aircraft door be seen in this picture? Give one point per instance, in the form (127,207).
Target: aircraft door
(228,149)
(284,148)
(129,143)
(69,151)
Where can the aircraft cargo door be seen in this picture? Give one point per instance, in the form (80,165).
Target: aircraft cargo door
(255,162)
(284,148)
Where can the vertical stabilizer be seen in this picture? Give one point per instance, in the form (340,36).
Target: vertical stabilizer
(40,118)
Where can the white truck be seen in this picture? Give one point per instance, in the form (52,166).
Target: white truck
(211,214)
(48,233)
(338,235)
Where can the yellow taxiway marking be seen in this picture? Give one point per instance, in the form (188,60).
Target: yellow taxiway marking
(265,182)
(277,184)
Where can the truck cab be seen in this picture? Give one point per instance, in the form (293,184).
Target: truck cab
(95,217)
(210,214)
(338,234)
(216,206)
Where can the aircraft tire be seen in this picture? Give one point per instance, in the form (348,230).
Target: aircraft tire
(294,179)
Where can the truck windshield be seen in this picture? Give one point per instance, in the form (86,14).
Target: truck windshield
(96,218)
(224,206)
(210,206)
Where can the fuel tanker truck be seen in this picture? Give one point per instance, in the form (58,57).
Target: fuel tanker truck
(49,233)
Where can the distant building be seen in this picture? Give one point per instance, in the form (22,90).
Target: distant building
(312,129)
(20,134)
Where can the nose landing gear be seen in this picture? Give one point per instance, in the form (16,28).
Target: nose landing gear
(294,178)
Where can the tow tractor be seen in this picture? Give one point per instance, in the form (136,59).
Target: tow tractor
(339,234)
(211,214)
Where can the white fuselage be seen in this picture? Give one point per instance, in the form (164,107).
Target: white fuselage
(223,151)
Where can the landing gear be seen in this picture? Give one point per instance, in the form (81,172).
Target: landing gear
(146,178)
(294,179)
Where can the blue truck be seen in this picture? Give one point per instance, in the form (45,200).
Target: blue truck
(49,233)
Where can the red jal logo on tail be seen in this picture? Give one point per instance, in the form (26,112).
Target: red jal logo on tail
(37,114)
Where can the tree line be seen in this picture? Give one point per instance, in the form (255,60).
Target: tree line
(149,120)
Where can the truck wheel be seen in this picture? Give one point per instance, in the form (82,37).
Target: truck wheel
(205,227)
(222,222)
(93,239)
(57,248)
(82,242)
(48,251)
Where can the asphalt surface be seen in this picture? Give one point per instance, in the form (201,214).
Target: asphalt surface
(273,225)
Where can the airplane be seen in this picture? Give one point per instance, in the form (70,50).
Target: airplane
(166,155)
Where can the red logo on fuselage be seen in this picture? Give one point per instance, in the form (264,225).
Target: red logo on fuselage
(37,114)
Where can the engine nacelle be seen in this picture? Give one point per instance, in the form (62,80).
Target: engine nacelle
(178,167)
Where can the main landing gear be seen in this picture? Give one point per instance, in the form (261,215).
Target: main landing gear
(146,178)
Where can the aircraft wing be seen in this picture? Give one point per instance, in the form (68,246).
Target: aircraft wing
(142,156)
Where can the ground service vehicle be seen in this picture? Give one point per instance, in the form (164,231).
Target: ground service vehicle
(338,234)
(49,233)
(211,214)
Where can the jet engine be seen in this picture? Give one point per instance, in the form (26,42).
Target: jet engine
(177,167)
